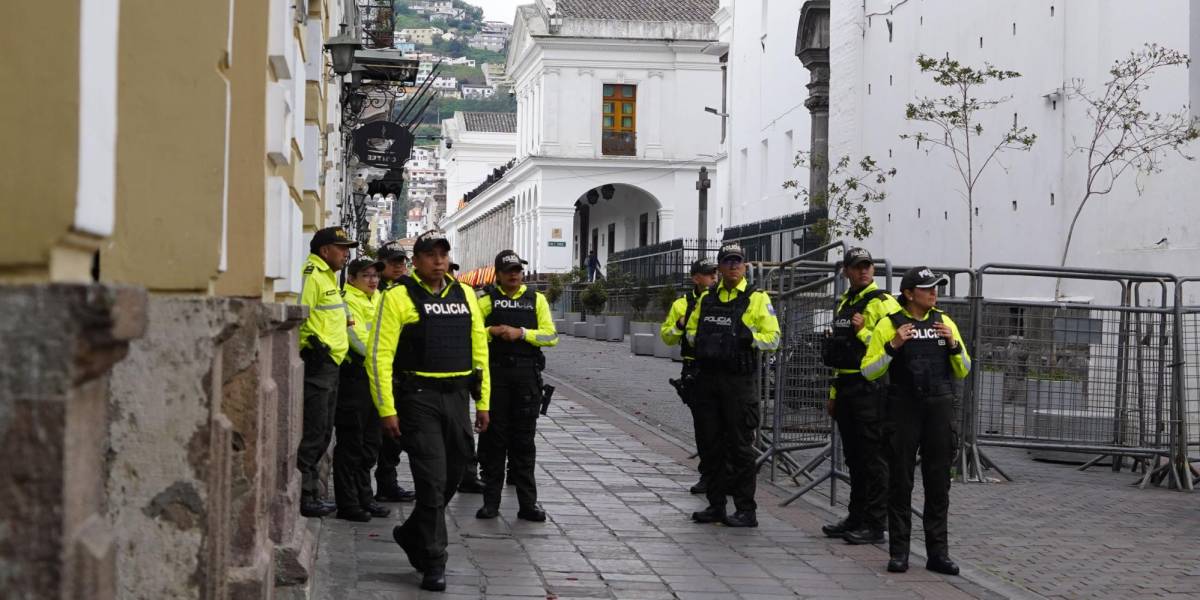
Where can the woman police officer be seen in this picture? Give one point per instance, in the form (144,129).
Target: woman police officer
(921,350)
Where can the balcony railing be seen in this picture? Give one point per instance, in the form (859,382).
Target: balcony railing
(618,143)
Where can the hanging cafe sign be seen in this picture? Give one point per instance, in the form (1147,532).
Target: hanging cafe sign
(382,144)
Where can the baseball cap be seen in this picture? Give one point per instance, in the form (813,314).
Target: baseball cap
(855,256)
(429,240)
(357,265)
(704,266)
(392,251)
(507,259)
(731,249)
(922,277)
(331,235)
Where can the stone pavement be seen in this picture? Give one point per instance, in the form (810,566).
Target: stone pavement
(1054,531)
(619,527)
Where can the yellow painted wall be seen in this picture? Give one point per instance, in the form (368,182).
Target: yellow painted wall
(39,118)
(170,145)
(248,167)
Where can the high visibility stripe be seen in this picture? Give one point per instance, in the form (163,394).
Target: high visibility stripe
(330,306)
(546,339)
(375,357)
(876,368)
(966,361)
(761,345)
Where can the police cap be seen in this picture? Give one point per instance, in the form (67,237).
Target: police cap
(431,239)
(704,266)
(392,251)
(508,260)
(922,277)
(357,265)
(855,256)
(730,250)
(331,235)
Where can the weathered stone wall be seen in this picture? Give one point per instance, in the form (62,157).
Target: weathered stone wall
(202,476)
(54,540)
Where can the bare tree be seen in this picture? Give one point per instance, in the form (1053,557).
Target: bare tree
(954,121)
(1124,135)
(850,192)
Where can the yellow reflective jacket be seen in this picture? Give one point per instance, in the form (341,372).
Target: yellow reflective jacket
(759,317)
(670,332)
(545,335)
(876,362)
(876,309)
(361,310)
(326,308)
(395,311)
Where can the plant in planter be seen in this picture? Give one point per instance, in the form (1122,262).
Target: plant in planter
(666,297)
(594,297)
(554,289)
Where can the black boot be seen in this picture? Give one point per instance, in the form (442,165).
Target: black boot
(471,485)
(742,518)
(532,513)
(941,564)
(355,514)
(839,529)
(898,563)
(395,494)
(377,510)
(311,507)
(712,514)
(487,511)
(864,535)
(434,579)
(701,487)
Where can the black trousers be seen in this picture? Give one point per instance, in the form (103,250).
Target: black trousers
(389,461)
(691,372)
(435,427)
(358,438)
(516,400)
(320,398)
(727,408)
(924,423)
(859,412)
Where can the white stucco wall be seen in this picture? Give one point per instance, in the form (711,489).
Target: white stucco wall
(925,221)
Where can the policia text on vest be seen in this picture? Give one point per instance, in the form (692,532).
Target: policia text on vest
(732,324)
(857,405)
(922,352)
(428,347)
(519,326)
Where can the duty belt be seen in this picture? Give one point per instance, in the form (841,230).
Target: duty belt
(441,384)
(513,361)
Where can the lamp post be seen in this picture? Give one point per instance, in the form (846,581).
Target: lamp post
(812,48)
(341,49)
(702,185)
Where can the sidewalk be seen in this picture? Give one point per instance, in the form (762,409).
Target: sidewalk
(1054,531)
(619,527)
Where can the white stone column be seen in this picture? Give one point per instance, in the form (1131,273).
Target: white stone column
(666,228)
(656,113)
(589,144)
(551,92)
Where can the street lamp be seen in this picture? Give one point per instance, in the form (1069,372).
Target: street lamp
(341,50)
(357,72)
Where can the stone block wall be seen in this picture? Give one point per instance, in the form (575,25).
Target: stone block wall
(61,341)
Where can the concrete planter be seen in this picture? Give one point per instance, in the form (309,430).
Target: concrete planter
(642,344)
(595,318)
(614,328)
(580,328)
(572,317)
(597,331)
(560,325)
(637,328)
(1056,408)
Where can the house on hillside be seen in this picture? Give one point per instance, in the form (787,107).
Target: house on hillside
(611,132)
(477,92)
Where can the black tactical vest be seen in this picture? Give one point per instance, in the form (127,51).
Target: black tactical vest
(922,365)
(723,342)
(843,349)
(440,341)
(521,312)
(686,350)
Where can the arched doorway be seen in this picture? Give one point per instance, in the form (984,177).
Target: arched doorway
(614,217)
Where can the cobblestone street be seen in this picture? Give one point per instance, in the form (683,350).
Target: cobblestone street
(613,471)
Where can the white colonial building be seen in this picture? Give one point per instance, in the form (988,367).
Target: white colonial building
(611,133)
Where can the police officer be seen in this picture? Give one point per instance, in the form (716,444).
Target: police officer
(704,275)
(733,323)
(428,349)
(519,324)
(857,404)
(387,485)
(357,421)
(920,348)
(323,346)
